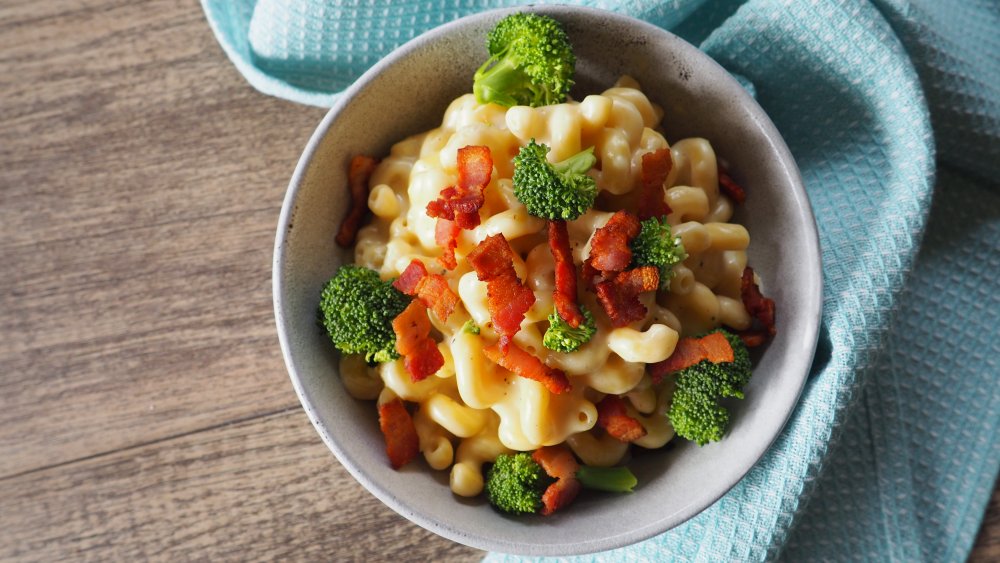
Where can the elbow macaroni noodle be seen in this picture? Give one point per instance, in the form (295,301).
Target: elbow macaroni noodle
(473,410)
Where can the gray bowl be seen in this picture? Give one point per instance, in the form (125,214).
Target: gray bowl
(406,93)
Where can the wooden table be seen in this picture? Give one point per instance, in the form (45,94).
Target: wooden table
(145,409)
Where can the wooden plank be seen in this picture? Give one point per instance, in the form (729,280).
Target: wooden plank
(140,190)
(136,341)
(263,489)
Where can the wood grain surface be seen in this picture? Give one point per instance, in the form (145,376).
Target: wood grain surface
(145,412)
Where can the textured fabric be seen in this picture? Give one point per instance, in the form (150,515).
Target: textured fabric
(893,450)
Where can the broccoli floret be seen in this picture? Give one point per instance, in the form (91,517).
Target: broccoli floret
(563,338)
(471,327)
(531,63)
(655,246)
(737,373)
(515,483)
(695,412)
(554,191)
(357,308)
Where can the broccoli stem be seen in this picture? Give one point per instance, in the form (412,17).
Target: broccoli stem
(610,479)
(492,83)
(577,164)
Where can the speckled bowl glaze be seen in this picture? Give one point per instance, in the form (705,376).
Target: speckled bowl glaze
(407,93)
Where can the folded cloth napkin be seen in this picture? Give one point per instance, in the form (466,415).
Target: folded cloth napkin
(893,450)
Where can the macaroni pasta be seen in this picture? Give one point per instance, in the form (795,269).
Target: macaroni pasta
(473,410)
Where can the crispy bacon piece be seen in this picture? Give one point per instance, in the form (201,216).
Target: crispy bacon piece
(613,417)
(413,341)
(717,348)
(461,203)
(492,257)
(620,295)
(656,166)
(565,292)
(689,351)
(508,298)
(458,206)
(731,188)
(556,461)
(401,441)
(358,175)
(508,302)
(592,276)
(410,279)
(752,338)
(437,296)
(454,206)
(431,289)
(446,236)
(609,250)
(525,365)
(759,307)
(560,494)
(559,463)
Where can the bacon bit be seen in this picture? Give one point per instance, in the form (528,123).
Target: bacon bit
(731,188)
(614,419)
(560,464)
(717,349)
(458,206)
(508,299)
(461,203)
(557,461)
(410,279)
(620,295)
(560,494)
(420,353)
(508,302)
(525,365)
(453,206)
(752,338)
(475,166)
(435,293)
(446,236)
(401,441)
(492,257)
(565,292)
(689,351)
(656,166)
(609,250)
(759,307)
(431,289)
(592,276)
(358,175)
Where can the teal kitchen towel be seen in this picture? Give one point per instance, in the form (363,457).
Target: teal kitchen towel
(892,110)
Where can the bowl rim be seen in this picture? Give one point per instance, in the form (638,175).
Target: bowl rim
(812,280)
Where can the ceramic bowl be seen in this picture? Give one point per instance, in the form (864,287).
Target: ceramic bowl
(407,93)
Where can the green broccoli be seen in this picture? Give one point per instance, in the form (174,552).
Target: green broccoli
(470,327)
(531,63)
(655,246)
(563,338)
(554,191)
(695,412)
(357,310)
(515,483)
(609,479)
